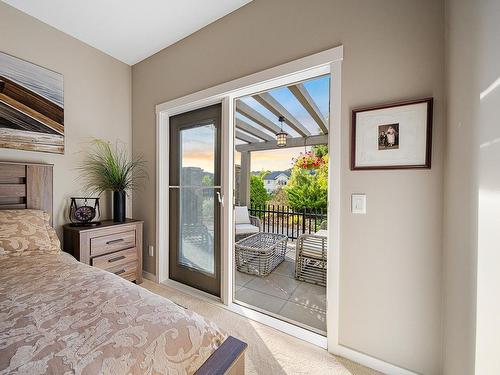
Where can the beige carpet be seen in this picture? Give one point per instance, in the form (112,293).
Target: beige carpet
(269,351)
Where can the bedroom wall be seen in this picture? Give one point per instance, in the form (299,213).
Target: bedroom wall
(488,224)
(97,98)
(488,148)
(472,189)
(460,192)
(391,258)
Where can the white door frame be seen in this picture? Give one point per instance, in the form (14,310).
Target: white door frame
(326,62)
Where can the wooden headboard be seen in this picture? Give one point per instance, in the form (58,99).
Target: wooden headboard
(26,185)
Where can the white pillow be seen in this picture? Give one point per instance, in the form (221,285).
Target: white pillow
(241,215)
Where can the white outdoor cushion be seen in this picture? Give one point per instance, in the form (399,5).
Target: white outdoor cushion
(241,215)
(246,229)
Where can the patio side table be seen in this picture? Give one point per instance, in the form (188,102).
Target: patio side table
(310,261)
(260,253)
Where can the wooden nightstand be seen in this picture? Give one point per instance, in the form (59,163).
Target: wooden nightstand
(114,247)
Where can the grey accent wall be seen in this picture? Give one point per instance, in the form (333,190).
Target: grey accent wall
(391,259)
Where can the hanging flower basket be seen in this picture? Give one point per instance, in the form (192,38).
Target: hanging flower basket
(309,161)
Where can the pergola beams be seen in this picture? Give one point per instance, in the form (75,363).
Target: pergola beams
(255,116)
(278,110)
(245,137)
(290,142)
(300,92)
(257,136)
(243,125)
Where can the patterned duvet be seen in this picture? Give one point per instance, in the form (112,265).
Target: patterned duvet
(58,316)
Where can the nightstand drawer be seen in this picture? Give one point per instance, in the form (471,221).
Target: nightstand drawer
(113,247)
(112,242)
(127,271)
(115,259)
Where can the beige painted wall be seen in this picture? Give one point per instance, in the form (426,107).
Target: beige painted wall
(460,194)
(391,258)
(97,97)
(472,189)
(488,256)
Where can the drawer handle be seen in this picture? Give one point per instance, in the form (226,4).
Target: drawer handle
(119,272)
(114,241)
(116,259)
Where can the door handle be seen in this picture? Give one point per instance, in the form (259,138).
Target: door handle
(220,198)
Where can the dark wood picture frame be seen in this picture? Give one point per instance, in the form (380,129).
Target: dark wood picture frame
(428,146)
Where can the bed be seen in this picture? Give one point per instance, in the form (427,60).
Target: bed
(59,316)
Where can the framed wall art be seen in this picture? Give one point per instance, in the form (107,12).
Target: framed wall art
(392,136)
(31,106)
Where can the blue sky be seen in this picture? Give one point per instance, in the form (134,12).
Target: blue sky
(200,146)
(318,88)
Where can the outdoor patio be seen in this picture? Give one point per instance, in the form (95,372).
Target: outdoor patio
(282,295)
(289,117)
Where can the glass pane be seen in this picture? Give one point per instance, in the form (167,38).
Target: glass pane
(196,248)
(198,155)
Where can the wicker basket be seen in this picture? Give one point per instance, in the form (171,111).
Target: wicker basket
(260,253)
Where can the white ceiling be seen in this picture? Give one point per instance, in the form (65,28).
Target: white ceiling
(129,30)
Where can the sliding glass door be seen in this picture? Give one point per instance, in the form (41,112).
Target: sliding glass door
(267,260)
(194,199)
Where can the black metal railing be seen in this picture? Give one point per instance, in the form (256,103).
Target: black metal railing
(284,220)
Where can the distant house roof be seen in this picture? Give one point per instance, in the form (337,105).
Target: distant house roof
(275,174)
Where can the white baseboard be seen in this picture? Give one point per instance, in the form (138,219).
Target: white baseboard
(369,361)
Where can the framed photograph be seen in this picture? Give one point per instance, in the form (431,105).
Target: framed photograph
(31,106)
(392,136)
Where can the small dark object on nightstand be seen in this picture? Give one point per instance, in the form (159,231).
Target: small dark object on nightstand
(83,214)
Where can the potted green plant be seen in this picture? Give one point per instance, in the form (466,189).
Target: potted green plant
(109,168)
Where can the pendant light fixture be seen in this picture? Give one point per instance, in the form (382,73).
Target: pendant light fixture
(281,136)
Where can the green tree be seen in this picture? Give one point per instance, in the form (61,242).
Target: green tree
(309,187)
(258,193)
(279,197)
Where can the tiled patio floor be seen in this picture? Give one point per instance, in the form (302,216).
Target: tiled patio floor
(280,294)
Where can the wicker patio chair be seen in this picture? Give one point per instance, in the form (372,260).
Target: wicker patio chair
(245,224)
(254,221)
(310,261)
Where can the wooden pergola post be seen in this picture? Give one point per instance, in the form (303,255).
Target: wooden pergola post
(245,166)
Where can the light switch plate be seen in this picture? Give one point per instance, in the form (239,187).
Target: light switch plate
(151,250)
(358,204)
